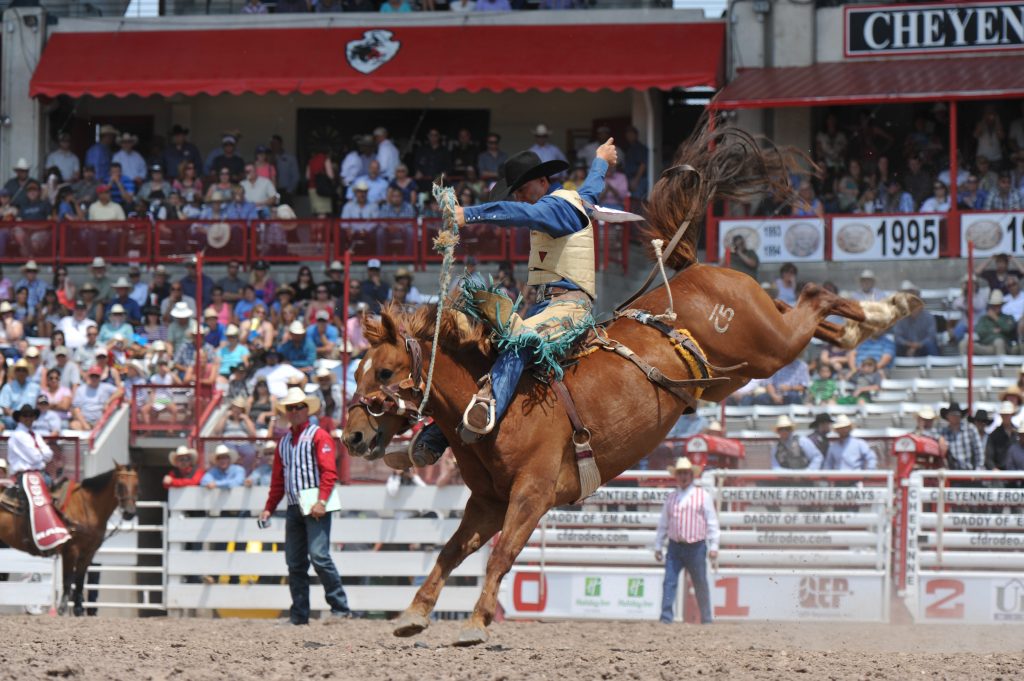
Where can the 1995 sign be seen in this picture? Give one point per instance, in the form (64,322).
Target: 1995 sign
(900,237)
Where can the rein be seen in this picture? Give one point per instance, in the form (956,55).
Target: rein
(388,400)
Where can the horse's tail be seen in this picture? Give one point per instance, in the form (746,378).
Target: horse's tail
(717,163)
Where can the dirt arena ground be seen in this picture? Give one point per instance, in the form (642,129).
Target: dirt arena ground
(186,649)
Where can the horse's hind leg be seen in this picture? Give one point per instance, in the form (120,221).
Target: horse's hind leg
(529,501)
(481,519)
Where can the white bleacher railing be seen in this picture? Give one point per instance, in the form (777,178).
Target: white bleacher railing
(965,547)
(386,543)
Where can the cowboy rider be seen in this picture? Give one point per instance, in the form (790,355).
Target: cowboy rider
(27,451)
(561,265)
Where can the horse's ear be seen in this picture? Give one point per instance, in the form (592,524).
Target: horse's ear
(382,331)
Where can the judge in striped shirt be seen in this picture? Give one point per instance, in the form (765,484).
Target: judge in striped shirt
(305,460)
(690,523)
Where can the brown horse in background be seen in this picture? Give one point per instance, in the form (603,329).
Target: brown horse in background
(89,506)
(527,465)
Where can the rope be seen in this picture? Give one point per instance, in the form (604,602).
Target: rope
(445,242)
(669,314)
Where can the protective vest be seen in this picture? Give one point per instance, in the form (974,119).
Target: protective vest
(569,257)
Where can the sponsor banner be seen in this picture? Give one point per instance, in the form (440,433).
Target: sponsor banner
(810,596)
(919,29)
(629,495)
(582,594)
(992,233)
(972,540)
(887,237)
(976,495)
(598,518)
(980,599)
(576,536)
(806,495)
(776,240)
(973,521)
(761,519)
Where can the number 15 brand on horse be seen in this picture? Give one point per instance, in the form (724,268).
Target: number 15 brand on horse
(561,266)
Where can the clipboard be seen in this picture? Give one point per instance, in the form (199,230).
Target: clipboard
(308,497)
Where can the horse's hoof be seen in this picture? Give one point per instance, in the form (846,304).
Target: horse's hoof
(410,624)
(471,636)
(78,611)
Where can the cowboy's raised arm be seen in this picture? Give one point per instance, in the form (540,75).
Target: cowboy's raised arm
(552,215)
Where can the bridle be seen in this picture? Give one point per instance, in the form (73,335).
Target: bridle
(388,400)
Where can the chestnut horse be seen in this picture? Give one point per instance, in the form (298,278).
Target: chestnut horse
(527,464)
(89,506)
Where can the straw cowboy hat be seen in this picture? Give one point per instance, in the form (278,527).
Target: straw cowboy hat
(218,235)
(109,130)
(715,428)
(182,450)
(1007,409)
(682,464)
(995,298)
(223,450)
(926,414)
(181,310)
(297,395)
(783,422)
(842,422)
(239,402)
(22,164)
(522,168)
(324,372)
(1012,391)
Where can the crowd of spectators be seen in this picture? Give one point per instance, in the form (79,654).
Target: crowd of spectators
(389,6)
(871,164)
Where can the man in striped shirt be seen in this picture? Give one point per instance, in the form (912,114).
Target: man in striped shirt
(305,460)
(690,523)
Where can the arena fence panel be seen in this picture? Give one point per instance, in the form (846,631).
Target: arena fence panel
(383,546)
(28,583)
(965,547)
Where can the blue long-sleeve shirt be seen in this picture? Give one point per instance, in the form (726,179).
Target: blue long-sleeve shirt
(299,356)
(234,476)
(99,157)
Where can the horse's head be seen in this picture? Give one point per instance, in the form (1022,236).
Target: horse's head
(389,387)
(126,488)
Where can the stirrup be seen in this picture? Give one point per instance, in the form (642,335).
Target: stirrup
(489,426)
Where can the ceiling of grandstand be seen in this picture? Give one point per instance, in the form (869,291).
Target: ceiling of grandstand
(875,82)
(447,58)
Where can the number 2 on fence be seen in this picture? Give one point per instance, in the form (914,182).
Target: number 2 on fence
(942,609)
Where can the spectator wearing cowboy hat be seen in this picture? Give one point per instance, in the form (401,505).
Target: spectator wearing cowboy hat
(329,393)
(306,460)
(91,399)
(925,427)
(997,446)
(179,152)
(298,350)
(846,452)
(413,296)
(995,332)
(227,158)
(791,453)
(689,522)
(30,280)
(982,421)
(131,161)
(966,452)
(185,471)
(374,290)
(325,335)
(335,283)
(190,281)
(65,160)
(18,392)
(121,298)
(232,354)
(116,325)
(223,473)
(263,472)
(543,147)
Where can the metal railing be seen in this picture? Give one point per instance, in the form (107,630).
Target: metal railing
(401,240)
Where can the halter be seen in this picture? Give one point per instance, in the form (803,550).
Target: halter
(387,400)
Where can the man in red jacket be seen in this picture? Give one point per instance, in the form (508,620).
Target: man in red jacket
(184,472)
(305,460)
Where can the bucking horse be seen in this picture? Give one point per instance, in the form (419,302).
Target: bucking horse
(734,331)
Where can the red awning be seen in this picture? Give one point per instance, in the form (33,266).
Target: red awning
(447,58)
(875,82)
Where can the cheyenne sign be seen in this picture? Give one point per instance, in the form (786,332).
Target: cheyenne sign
(914,29)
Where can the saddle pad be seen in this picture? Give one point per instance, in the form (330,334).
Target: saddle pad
(48,532)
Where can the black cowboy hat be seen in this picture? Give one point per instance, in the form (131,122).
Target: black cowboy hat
(26,410)
(520,169)
(953,407)
(981,416)
(821,418)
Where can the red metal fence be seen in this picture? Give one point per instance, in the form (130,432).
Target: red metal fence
(408,241)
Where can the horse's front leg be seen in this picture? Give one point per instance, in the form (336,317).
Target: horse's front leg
(80,570)
(530,500)
(481,519)
(67,564)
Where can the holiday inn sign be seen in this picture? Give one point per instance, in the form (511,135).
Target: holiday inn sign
(917,29)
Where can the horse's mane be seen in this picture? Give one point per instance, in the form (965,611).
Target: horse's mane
(459,331)
(715,164)
(98,482)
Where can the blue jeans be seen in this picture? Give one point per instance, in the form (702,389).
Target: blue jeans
(693,557)
(308,540)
